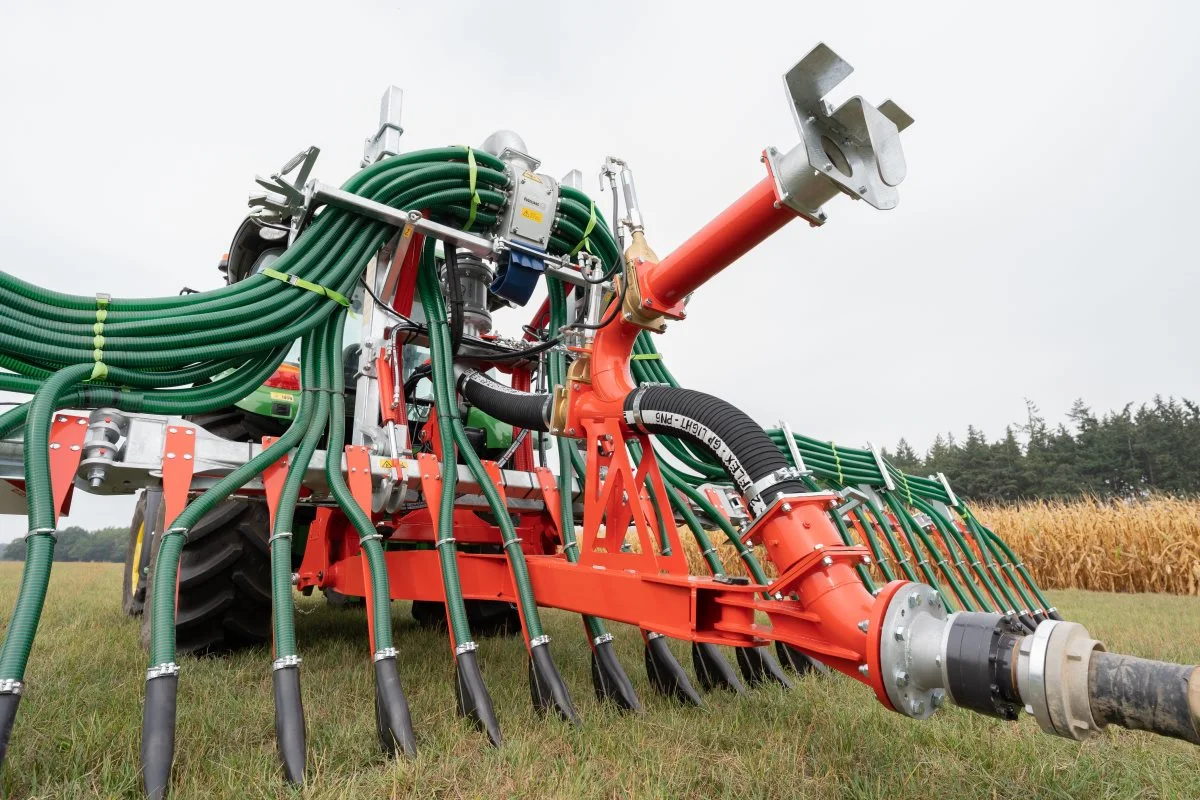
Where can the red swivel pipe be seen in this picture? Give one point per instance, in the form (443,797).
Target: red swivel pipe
(732,234)
(737,230)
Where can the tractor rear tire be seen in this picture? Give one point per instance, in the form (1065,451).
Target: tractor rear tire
(224,581)
(137,555)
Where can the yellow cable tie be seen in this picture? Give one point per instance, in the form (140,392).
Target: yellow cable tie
(837,461)
(646,357)
(584,243)
(98,342)
(98,328)
(474,194)
(101,315)
(102,299)
(99,371)
(315,288)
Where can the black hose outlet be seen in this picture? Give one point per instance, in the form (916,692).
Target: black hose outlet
(546,686)
(610,680)
(1145,695)
(666,676)
(474,702)
(289,722)
(1053,614)
(742,447)
(758,666)
(528,410)
(1028,621)
(799,662)
(8,715)
(392,720)
(158,734)
(712,670)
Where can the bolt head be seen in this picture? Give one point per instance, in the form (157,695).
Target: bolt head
(827,561)
(918,706)
(54,445)
(898,633)
(866,559)
(939,698)
(864,670)
(901,678)
(646,303)
(787,508)
(913,601)
(935,600)
(864,624)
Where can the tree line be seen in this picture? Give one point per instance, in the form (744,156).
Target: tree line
(1152,448)
(77,544)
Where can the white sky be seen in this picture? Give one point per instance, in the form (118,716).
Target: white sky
(1042,247)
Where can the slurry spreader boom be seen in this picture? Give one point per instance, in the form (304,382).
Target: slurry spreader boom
(443,495)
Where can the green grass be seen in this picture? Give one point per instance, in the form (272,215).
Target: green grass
(77,734)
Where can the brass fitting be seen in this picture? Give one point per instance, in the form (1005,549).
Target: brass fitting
(634,309)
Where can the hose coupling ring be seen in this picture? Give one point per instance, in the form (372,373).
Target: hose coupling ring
(652,635)
(168,668)
(601,639)
(538,641)
(42,532)
(465,647)
(386,652)
(285,661)
(11,686)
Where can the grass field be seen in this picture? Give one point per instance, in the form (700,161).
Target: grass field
(78,731)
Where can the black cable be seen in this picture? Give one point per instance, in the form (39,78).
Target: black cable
(386,308)
(454,290)
(529,351)
(620,301)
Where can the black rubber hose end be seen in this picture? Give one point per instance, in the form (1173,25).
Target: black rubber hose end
(1054,615)
(758,666)
(289,722)
(474,702)
(610,680)
(798,661)
(1145,695)
(1028,621)
(546,686)
(8,715)
(158,734)
(392,719)
(712,670)
(666,676)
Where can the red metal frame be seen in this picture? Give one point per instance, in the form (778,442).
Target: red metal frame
(817,604)
(67,434)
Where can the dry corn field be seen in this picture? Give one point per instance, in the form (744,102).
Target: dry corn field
(1149,545)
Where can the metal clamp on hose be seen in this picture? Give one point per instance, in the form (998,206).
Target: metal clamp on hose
(285,661)
(440,542)
(538,641)
(633,415)
(181,531)
(42,532)
(168,668)
(280,535)
(602,639)
(762,485)
(11,686)
(386,652)
(465,647)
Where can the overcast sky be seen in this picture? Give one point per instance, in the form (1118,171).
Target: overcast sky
(1043,247)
